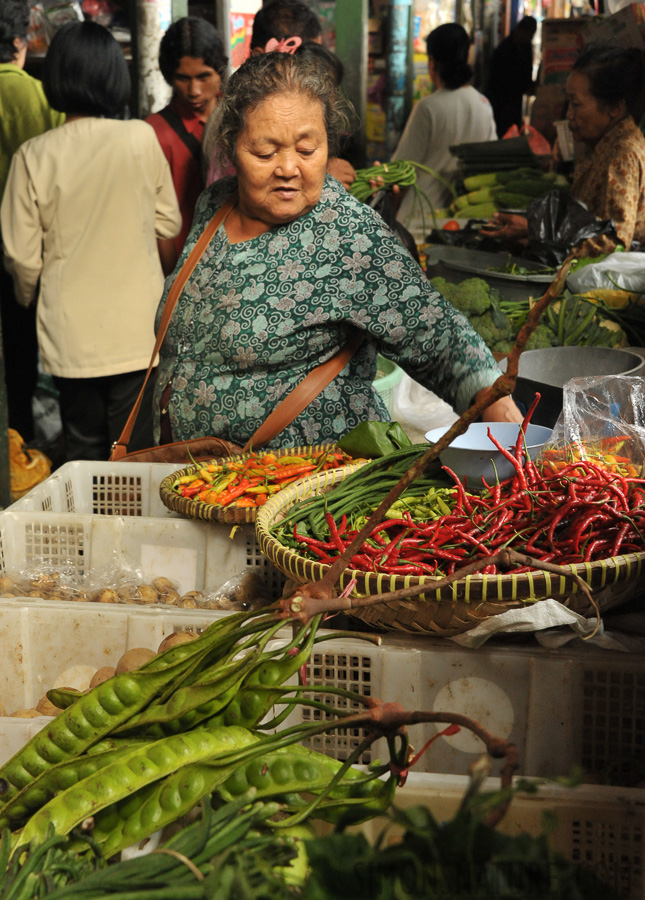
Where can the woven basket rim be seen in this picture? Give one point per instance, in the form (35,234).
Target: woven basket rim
(197,509)
(475,591)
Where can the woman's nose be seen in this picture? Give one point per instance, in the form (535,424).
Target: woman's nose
(287,164)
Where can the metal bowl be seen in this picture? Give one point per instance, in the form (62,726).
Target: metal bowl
(456,264)
(473,456)
(547,371)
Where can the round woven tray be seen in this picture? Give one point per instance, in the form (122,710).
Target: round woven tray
(207,512)
(463,604)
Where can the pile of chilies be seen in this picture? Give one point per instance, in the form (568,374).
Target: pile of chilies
(582,512)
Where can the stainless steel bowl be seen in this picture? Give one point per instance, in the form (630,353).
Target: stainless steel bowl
(549,369)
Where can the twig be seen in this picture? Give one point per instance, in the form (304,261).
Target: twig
(304,605)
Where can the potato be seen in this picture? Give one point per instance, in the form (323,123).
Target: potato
(46,582)
(163,585)
(107,595)
(145,593)
(102,675)
(25,714)
(192,599)
(170,598)
(134,658)
(76,677)
(6,584)
(178,637)
(42,595)
(46,708)
(127,593)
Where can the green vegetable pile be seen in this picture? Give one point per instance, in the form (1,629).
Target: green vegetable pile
(482,306)
(573,321)
(486,193)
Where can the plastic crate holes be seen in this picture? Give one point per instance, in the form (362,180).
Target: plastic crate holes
(613,724)
(257,563)
(351,672)
(613,850)
(116,495)
(55,546)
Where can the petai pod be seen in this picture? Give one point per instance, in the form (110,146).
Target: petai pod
(59,778)
(143,765)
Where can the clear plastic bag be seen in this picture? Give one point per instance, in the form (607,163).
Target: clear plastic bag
(625,271)
(557,223)
(602,421)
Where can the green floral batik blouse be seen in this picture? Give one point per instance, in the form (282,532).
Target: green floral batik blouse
(255,317)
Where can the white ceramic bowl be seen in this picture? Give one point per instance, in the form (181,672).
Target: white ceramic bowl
(472,455)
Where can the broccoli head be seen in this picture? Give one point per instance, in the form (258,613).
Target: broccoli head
(471,297)
(493,327)
(540,338)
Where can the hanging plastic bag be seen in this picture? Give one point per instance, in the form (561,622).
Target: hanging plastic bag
(603,422)
(622,271)
(557,223)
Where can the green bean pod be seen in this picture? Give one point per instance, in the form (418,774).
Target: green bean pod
(295,769)
(155,805)
(142,766)
(250,706)
(192,703)
(59,778)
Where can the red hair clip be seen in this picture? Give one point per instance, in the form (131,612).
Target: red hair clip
(286,45)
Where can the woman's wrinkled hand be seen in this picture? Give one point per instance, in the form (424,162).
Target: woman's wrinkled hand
(507,226)
(502,410)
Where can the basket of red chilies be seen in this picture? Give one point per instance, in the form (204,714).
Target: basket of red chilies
(585,513)
(233,489)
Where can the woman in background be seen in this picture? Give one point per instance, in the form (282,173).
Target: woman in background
(193,62)
(609,178)
(84,207)
(455,113)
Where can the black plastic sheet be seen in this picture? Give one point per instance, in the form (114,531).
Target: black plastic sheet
(557,223)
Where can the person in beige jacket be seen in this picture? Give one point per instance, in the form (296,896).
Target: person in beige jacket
(88,209)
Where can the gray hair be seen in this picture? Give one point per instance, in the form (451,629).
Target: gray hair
(268,75)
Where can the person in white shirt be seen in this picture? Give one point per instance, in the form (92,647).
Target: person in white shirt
(455,113)
(87,209)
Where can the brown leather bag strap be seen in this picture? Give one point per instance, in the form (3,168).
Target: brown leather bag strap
(120,448)
(301,396)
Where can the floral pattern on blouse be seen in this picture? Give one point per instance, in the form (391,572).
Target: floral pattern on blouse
(255,317)
(611,183)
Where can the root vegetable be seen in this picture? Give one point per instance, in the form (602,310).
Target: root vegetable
(102,675)
(77,677)
(134,658)
(170,598)
(163,585)
(145,593)
(178,637)
(107,595)
(46,708)
(25,714)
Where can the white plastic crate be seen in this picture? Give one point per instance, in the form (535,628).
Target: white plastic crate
(37,646)
(101,488)
(567,707)
(195,555)
(600,827)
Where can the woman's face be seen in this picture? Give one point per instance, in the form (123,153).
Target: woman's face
(281,158)
(588,120)
(197,85)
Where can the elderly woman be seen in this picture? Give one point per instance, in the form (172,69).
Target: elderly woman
(297,268)
(610,178)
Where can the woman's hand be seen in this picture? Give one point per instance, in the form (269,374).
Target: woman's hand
(502,410)
(507,226)
(341,170)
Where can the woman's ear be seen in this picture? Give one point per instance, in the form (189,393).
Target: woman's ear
(20,54)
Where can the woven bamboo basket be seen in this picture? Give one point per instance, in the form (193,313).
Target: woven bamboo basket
(207,512)
(464,603)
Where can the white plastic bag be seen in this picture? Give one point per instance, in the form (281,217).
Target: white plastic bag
(625,271)
(418,410)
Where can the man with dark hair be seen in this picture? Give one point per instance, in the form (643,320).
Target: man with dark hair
(24,113)
(281,19)
(193,62)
